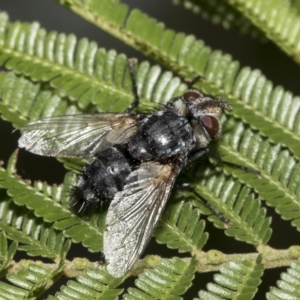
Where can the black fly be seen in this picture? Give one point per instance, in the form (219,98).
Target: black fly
(136,158)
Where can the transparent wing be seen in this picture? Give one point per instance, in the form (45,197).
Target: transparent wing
(133,214)
(76,135)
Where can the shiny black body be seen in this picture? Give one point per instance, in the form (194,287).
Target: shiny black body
(165,136)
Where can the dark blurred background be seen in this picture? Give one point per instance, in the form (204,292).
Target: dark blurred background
(275,64)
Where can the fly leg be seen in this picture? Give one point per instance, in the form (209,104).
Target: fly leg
(102,259)
(101,262)
(200,155)
(131,64)
(219,160)
(186,187)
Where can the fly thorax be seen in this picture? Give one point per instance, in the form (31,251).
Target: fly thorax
(162,135)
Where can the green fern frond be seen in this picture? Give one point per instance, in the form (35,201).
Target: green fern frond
(52,204)
(28,283)
(281,24)
(235,281)
(236,202)
(94,284)
(253,97)
(72,77)
(82,72)
(170,279)
(78,70)
(280,171)
(36,238)
(289,285)
(180,228)
(40,103)
(221,12)
(6,253)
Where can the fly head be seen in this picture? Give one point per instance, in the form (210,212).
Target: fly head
(204,113)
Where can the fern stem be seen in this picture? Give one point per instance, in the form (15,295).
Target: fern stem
(210,261)
(213,260)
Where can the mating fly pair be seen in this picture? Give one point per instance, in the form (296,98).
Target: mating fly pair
(135,160)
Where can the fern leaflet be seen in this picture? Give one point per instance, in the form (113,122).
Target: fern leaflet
(288,286)
(6,253)
(170,279)
(94,284)
(235,281)
(181,229)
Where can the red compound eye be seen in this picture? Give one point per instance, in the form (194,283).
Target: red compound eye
(211,125)
(191,96)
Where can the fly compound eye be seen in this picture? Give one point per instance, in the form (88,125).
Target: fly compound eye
(191,96)
(211,124)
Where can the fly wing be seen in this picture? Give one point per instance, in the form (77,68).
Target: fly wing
(76,135)
(133,214)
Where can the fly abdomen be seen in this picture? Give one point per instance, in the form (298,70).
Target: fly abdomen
(101,178)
